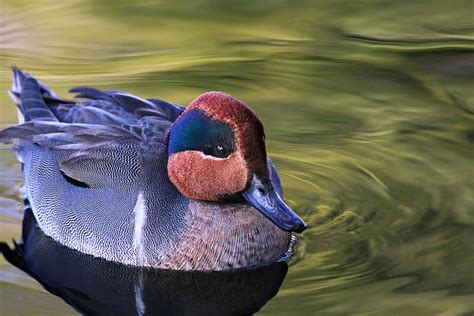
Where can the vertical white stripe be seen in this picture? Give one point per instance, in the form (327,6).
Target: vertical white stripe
(140,306)
(140,218)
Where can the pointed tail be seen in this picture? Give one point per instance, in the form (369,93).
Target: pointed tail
(28,93)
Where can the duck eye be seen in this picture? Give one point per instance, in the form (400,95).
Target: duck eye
(219,151)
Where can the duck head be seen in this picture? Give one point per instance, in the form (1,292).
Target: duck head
(216,152)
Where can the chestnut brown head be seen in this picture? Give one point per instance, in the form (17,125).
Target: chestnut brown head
(216,152)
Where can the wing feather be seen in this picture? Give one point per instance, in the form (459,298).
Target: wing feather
(99,141)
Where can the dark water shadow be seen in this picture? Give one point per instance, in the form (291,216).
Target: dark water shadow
(94,286)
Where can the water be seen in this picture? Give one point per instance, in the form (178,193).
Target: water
(368,110)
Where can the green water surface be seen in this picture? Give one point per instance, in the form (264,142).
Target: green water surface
(368,108)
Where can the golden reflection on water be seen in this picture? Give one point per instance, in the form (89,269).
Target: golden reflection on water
(368,110)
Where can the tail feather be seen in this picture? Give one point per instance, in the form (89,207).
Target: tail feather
(28,93)
(19,77)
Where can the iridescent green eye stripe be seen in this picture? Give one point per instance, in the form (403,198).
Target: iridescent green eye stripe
(198,131)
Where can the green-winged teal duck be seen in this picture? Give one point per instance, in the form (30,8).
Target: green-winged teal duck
(149,183)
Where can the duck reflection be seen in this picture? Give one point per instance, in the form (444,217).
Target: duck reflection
(95,286)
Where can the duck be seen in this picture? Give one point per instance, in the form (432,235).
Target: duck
(150,183)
